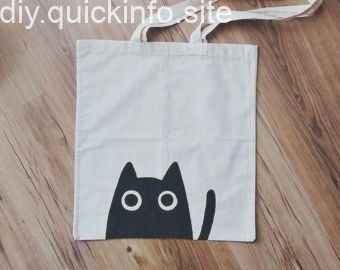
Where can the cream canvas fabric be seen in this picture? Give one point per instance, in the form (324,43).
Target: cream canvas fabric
(166,135)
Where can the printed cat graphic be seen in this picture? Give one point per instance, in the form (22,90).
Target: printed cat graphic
(154,208)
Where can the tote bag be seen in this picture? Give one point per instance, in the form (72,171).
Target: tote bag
(165,134)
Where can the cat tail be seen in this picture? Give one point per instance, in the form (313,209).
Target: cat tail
(209,215)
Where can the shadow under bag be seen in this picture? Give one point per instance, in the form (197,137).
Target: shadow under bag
(165,135)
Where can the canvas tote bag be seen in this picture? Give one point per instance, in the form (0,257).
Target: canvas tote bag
(165,134)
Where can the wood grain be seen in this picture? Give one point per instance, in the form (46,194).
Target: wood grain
(298,160)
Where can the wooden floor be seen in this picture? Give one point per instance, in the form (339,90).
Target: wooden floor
(298,160)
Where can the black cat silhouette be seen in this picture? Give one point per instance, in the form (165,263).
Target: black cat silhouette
(154,208)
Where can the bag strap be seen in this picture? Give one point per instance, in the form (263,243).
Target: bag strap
(179,13)
(270,13)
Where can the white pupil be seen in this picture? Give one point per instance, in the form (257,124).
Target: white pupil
(167,207)
(135,194)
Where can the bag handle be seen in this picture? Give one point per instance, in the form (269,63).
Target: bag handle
(270,13)
(179,14)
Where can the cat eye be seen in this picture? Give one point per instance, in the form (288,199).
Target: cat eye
(131,200)
(164,198)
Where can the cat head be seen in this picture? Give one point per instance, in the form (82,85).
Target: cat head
(152,194)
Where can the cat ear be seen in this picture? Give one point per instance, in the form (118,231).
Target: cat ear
(173,173)
(128,172)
